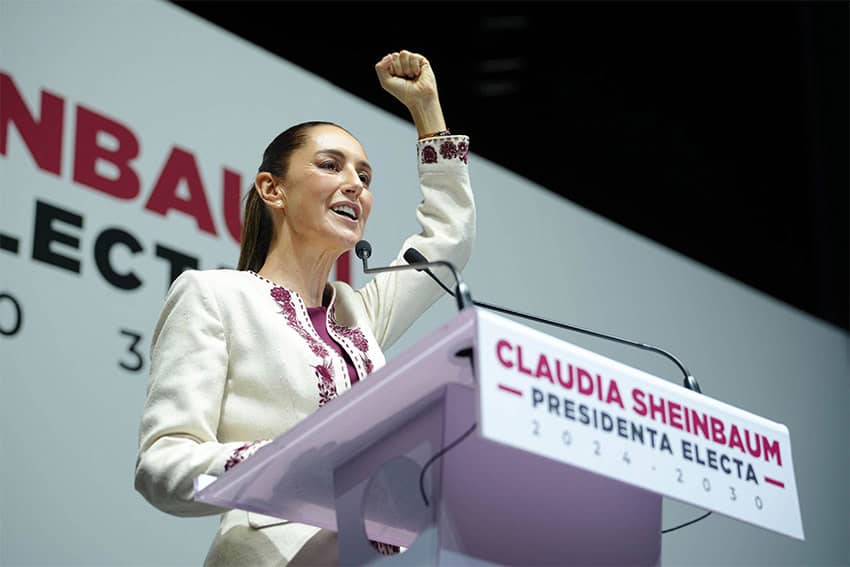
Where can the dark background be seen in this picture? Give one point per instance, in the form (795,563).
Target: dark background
(719,130)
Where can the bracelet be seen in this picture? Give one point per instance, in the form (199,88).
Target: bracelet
(436,134)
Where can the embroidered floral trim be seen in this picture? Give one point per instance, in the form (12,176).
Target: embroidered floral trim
(448,149)
(367,362)
(355,336)
(243,452)
(429,154)
(324,375)
(463,152)
(324,370)
(283,298)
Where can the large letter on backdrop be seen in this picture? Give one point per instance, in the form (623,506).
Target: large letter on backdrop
(181,165)
(42,137)
(87,152)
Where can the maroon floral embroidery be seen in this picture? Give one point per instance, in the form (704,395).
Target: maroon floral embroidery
(280,294)
(448,149)
(429,154)
(367,362)
(327,388)
(324,370)
(463,152)
(284,298)
(355,336)
(243,452)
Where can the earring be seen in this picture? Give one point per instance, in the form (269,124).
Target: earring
(279,202)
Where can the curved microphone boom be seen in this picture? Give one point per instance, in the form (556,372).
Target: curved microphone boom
(363,250)
(415,258)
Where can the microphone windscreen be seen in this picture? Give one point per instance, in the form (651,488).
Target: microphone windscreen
(413,256)
(363,249)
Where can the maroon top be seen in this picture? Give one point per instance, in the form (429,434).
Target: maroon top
(319,317)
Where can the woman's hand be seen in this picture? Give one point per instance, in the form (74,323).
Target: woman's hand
(409,78)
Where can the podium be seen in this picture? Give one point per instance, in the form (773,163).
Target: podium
(415,456)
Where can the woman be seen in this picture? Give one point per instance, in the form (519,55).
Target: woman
(240,356)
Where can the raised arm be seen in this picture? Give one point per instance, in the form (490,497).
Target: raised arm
(446,213)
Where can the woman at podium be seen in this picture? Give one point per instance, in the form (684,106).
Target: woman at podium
(240,356)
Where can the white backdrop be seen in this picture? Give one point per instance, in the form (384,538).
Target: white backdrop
(71,400)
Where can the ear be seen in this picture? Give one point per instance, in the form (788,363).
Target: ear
(270,190)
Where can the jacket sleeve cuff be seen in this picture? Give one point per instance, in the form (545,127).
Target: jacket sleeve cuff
(243,452)
(442,151)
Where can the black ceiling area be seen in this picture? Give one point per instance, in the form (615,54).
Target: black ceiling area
(718,130)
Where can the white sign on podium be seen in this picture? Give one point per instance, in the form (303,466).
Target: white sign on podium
(547,396)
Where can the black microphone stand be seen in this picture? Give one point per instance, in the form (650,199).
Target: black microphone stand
(415,258)
(363,250)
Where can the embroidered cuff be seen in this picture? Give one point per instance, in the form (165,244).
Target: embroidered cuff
(443,149)
(243,452)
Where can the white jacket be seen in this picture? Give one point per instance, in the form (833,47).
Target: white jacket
(235,359)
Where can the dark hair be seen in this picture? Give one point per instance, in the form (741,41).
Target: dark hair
(257,228)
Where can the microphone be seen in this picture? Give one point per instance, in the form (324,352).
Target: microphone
(415,259)
(363,250)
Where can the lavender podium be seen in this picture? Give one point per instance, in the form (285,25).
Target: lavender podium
(490,443)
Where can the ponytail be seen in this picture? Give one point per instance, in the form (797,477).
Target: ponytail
(257,233)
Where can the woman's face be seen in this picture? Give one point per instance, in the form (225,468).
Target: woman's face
(327,196)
